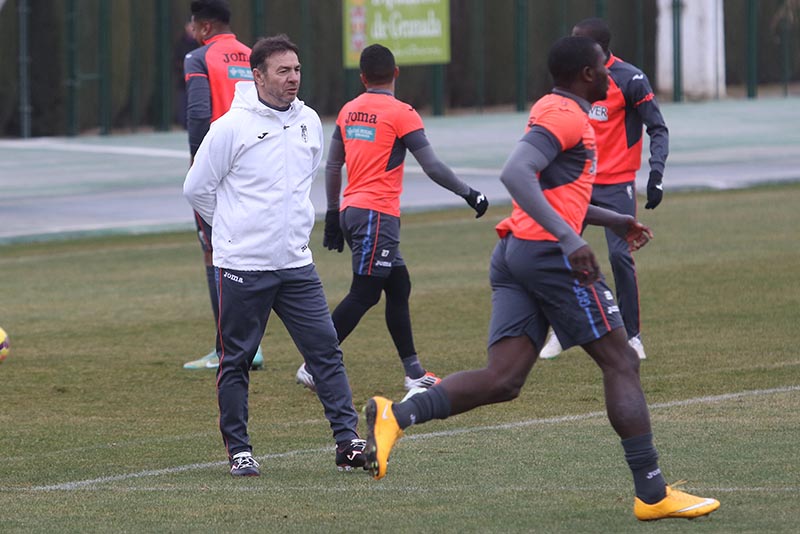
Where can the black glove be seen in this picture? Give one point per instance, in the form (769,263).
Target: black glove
(655,191)
(477,201)
(333,237)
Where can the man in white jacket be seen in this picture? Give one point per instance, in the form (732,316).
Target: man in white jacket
(251,180)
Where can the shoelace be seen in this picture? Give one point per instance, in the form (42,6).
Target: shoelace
(244,462)
(355,444)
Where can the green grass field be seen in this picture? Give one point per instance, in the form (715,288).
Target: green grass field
(103,431)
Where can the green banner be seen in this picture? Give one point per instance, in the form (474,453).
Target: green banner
(416,31)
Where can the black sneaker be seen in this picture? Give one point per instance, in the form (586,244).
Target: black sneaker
(350,454)
(244,465)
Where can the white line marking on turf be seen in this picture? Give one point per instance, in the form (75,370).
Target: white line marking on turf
(591,415)
(82,484)
(45,143)
(65,146)
(412,490)
(166,471)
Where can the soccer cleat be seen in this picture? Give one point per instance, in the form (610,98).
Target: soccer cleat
(209,361)
(304,378)
(676,504)
(350,454)
(412,392)
(636,343)
(551,349)
(244,465)
(428,380)
(258,361)
(382,433)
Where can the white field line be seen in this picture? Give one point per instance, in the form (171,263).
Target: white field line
(81,484)
(289,424)
(64,146)
(411,490)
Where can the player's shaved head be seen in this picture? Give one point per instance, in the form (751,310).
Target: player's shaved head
(595,29)
(377,64)
(569,56)
(211,10)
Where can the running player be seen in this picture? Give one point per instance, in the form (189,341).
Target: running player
(543,273)
(371,138)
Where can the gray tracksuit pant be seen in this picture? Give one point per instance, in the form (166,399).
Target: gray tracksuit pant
(245,301)
(622,199)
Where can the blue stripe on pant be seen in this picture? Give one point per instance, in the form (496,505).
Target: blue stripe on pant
(367,245)
(582,299)
(246,299)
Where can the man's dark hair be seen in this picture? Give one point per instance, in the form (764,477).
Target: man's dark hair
(213,10)
(377,64)
(598,30)
(568,56)
(266,46)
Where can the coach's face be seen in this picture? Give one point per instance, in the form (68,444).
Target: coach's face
(598,77)
(278,79)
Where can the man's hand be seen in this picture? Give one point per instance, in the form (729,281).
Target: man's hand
(333,238)
(584,266)
(638,235)
(477,201)
(655,191)
(635,233)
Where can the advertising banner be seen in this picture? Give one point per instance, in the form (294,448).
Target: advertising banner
(416,31)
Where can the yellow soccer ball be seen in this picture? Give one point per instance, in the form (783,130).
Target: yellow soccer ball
(5,346)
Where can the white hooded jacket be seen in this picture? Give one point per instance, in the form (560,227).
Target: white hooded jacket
(251,180)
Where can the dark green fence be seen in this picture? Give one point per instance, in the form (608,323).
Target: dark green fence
(73,66)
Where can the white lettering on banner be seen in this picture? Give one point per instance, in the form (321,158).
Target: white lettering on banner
(397,27)
(391,3)
(414,51)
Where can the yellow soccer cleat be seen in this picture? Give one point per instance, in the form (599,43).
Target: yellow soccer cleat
(382,433)
(676,504)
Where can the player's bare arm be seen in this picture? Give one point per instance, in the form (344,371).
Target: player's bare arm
(635,233)
(584,265)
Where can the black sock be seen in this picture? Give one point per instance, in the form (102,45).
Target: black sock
(430,404)
(642,458)
(412,366)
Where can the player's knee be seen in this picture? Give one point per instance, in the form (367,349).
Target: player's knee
(507,387)
(625,362)
(366,290)
(398,285)
(509,391)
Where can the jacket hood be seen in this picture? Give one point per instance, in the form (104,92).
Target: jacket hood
(246,97)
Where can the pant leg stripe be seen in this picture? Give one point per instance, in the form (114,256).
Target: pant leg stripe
(365,244)
(375,243)
(602,311)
